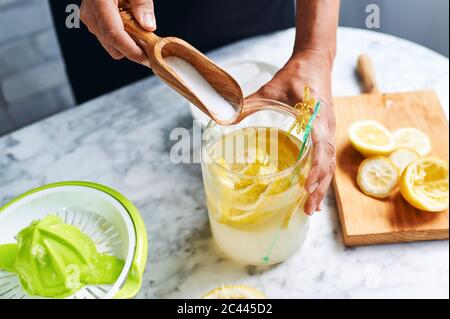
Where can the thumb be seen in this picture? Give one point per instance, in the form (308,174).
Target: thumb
(260,94)
(144,13)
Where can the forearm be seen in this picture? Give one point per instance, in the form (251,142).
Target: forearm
(316,24)
(311,65)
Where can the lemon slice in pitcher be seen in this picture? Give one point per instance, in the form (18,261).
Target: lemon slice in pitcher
(424,184)
(234,292)
(246,197)
(412,138)
(258,202)
(370,138)
(377,177)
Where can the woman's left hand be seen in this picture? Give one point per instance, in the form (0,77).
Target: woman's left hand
(313,69)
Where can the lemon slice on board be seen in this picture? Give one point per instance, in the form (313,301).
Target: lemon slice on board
(234,292)
(371,138)
(377,177)
(402,157)
(409,137)
(424,184)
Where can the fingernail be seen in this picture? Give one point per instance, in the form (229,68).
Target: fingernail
(311,189)
(319,208)
(149,20)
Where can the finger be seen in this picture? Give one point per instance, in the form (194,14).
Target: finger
(271,90)
(323,159)
(89,20)
(323,156)
(260,94)
(111,32)
(320,207)
(122,42)
(314,200)
(87,16)
(113,52)
(144,13)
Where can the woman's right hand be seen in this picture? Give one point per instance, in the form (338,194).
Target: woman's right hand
(102,18)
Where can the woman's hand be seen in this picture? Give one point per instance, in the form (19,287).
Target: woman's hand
(102,18)
(310,68)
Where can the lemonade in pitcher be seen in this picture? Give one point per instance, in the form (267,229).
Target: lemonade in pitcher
(254,181)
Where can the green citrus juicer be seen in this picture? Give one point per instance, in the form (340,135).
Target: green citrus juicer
(106,216)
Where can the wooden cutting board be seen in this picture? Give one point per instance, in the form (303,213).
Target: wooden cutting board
(366,220)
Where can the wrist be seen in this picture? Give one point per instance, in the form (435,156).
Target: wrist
(323,57)
(311,65)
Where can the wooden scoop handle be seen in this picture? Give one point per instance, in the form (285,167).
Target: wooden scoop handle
(367,74)
(145,39)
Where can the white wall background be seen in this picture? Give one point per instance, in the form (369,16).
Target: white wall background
(33,82)
(422,21)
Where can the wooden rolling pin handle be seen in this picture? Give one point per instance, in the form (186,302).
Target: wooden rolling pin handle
(145,39)
(367,75)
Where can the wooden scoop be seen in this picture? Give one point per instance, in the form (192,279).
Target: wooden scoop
(158,48)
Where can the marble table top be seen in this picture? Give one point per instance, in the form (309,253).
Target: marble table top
(122,140)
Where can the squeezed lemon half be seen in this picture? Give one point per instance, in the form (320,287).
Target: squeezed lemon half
(423,180)
(377,177)
(371,138)
(234,292)
(425,185)
(412,138)
(402,157)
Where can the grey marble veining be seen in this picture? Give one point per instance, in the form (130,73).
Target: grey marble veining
(122,140)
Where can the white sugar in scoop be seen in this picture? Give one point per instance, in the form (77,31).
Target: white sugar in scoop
(216,104)
(200,81)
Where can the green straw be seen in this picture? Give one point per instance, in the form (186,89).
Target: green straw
(308,129)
